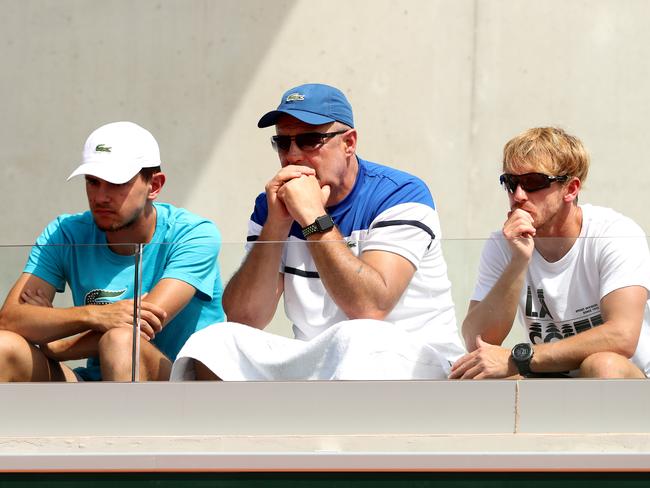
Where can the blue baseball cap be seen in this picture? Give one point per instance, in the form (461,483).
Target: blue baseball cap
(313,104)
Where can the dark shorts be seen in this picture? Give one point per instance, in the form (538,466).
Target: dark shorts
(88,373)
(564,374)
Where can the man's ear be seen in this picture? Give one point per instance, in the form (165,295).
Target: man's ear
(350,141)
(156,184)
(572,189)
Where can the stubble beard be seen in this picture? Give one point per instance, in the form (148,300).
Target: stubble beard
(124,225)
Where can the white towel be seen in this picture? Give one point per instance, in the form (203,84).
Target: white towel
(350,350)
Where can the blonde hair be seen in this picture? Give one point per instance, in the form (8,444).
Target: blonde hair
(549,150)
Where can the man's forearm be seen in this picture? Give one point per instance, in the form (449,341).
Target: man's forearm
(79,346)
(359,288)
(622,311)
(43,324)
(252,294)
(569,353)
(354,285)
(492,317)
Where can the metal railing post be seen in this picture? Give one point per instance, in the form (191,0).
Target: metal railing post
(137,301)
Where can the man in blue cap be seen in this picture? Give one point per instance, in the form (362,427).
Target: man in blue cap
(354,247)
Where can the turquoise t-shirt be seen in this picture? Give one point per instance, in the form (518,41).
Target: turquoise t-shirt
(185,246)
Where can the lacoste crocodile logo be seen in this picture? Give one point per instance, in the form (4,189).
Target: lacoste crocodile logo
(101,297)
(295,97)
(102,148)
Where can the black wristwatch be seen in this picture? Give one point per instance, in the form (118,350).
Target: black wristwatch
(522,354)
(321,224)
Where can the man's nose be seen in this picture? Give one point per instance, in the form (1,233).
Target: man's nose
(519,195)
(294,154)
(102,193)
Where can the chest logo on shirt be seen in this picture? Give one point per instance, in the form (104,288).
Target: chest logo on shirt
(543,309)
(102,297)
(543,327)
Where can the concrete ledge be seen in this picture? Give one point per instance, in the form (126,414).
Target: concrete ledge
(257,408)
(415,426)
(583,406)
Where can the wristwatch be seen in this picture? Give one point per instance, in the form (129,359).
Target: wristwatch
(321,224)
(522,354)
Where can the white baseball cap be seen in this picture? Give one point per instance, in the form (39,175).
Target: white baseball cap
(116,152)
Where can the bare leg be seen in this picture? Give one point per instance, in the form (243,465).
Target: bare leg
(22,361)
(115,348)
(203,373)
(609,365)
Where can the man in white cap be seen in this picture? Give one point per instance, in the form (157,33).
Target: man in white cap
(341,238)
(93,252)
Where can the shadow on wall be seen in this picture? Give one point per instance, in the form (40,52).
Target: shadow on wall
(177,68)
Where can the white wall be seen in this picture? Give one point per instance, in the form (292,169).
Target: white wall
(437,87)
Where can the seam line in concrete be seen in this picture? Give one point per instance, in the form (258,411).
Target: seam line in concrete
(516,427)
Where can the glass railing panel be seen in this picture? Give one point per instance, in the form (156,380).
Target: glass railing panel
(65,276)
(80,263)
(12,262)
(462,257)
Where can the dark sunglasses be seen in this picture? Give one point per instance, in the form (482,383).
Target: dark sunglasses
(308,141)
(529,182)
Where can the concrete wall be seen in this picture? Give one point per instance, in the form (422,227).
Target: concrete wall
(331,426)
(437,88)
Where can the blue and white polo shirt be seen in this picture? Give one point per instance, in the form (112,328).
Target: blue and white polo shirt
(387,210)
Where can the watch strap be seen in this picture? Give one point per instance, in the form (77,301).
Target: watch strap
(321,224)
(523,367)
(309,230)
(523,364)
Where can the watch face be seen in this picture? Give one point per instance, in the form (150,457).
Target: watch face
(522,352)
(324,223)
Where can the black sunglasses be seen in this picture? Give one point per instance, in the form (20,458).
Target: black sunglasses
(308,141)
(529,182)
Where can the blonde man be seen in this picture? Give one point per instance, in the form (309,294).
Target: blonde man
(577,275)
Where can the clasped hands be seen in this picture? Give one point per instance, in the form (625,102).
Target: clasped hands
(295,193)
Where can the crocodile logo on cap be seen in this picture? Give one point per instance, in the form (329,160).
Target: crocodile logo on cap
(295,97)
(102,148)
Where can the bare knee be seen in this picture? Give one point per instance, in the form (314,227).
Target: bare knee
(609,365)
(13,350)
(116,341)
(19,360)
(116,358)
(10,342)
(115,349)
